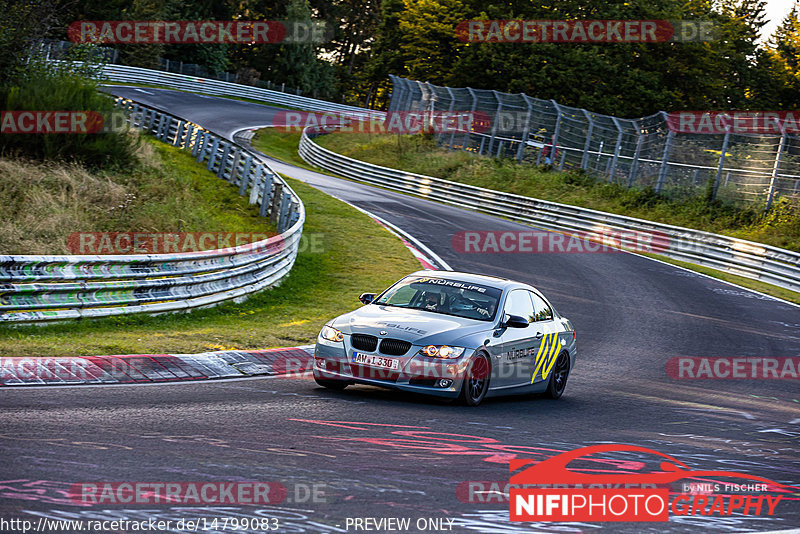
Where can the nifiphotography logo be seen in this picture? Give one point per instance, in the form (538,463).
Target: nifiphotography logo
(635,497)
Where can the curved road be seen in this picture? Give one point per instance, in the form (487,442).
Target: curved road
(376,453)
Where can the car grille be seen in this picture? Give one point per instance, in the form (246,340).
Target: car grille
(394,347)
(364,342)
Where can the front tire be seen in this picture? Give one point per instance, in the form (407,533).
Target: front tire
(558,378)
(338,385)
(476,380)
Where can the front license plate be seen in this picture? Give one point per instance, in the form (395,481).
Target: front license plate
(376,361)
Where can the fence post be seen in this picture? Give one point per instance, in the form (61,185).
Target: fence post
(776,167)
(636,153)
(721,163)
(497,111)
(585,158)
(662,172)
(556,131)
(450,117)
(527,129)
(472,111)
(395,94)
(407,107)
(617,147)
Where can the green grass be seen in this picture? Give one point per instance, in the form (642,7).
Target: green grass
(167,191)
(353,255)
(280,145)
(419,154)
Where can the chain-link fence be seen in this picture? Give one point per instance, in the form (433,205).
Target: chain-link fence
(640,152)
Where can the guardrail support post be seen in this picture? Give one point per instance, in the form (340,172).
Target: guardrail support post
(212,157)
(187,141)
(776,167)
(237,155)
(223,162)
(176,141)
(721,164)
(284,211)
(244,181)
(277,196)
(199,146)
(167,122)
(266,196)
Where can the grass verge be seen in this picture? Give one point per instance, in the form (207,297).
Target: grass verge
(420,154)
(350,254)
(280,145)
(167,191)
(284,147)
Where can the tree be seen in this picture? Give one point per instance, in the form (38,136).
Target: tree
(429,43)
(783,61)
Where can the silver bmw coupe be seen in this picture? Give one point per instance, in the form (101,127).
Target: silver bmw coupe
(450,334)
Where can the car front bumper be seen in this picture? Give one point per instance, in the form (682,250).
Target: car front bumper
(417,373)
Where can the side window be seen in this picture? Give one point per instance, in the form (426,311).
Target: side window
(519,303)
(543,311)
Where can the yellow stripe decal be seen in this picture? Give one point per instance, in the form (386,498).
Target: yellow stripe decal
(539,359)
(551,359)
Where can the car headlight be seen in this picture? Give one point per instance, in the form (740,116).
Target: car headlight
(331,334)
(442,351)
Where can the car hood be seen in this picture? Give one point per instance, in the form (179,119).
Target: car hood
(420,327)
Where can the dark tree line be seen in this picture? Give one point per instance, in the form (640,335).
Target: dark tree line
(416,38)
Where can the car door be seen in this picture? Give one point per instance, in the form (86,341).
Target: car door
(514,363)
(550,342)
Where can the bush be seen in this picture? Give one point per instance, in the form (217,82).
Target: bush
(46,87)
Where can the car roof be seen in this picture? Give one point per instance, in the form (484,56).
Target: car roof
(485,279)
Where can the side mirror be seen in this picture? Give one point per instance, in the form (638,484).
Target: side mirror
(515,321)
(367,298)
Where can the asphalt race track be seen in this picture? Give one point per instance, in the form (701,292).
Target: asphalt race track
(371,453)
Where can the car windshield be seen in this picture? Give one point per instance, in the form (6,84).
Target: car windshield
(441,295)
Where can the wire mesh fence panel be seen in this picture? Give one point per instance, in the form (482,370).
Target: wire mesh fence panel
(642,153)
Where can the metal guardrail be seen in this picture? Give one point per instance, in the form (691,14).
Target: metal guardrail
(125,74)
(736,256)
(50,288)
(640,152)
